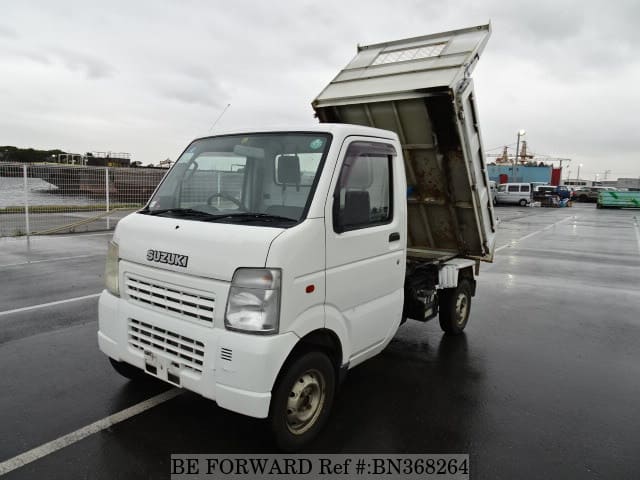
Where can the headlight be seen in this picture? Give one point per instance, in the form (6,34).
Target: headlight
(111,269)
(253,305)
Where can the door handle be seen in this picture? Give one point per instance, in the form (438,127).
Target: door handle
(394,237)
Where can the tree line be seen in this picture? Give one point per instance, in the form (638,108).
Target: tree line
(27,155)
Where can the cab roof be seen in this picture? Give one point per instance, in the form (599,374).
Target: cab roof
(336,129)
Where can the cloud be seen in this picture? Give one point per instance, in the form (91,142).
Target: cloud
(160,73)
(191,84)
(7,32)
(92,66)
(191,97)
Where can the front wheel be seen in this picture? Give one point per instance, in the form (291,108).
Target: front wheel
(455,305)
(523,203)
(301,400)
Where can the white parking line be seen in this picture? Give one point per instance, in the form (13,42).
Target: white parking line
(52,260)
(635,224)
(95,427)
(513,243)
(50,304)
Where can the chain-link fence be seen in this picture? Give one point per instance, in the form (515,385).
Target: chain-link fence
(47,199)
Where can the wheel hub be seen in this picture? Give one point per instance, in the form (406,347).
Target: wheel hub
(462,307)
(305,402)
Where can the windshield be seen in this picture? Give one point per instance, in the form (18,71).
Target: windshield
(255,178)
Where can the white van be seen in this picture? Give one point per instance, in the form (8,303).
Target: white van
(515,193)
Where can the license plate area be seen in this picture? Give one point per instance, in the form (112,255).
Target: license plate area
(162,367)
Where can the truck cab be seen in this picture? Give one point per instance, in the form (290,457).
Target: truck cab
(249,251)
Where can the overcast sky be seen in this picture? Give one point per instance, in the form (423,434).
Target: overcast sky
(146,77)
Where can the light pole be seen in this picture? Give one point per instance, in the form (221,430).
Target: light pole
(579,166)
(515,160)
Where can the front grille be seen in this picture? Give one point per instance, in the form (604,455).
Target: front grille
(183,351)
(170,298)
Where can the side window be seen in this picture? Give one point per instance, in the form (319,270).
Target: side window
(363,195)
(513,188)
(502,188)
(525,188)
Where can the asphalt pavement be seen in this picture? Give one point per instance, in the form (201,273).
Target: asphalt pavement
(544,383)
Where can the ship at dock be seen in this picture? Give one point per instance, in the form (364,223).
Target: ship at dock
(524,167)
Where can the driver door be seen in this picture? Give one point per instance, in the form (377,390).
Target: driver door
(365,244)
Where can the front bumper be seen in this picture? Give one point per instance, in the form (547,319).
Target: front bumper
(237,370)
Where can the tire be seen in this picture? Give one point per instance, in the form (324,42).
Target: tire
(301,400)
(128,371)
(523,203)
(495,202)
(455,305)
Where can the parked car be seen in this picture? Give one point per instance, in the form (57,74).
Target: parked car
(562,191)
(590,194)
(551,195)
(515,193)
(541,192)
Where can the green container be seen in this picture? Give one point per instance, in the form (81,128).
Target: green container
(612,199)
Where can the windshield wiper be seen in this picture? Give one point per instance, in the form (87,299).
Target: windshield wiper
(249,216)
(180,212)
(212,217)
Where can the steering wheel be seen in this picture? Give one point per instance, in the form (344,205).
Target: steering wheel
(226,196)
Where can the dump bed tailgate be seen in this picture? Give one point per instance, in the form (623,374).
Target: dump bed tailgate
(421,89)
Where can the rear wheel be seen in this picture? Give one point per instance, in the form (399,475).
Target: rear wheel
(301,400)
(455,305)
(128,371)
(523,203)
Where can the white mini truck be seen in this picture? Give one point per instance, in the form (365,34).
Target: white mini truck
(269,263)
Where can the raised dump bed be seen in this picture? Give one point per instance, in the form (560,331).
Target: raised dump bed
(421,89)
(613,199)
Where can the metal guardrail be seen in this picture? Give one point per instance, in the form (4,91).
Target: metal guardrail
(42,198)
